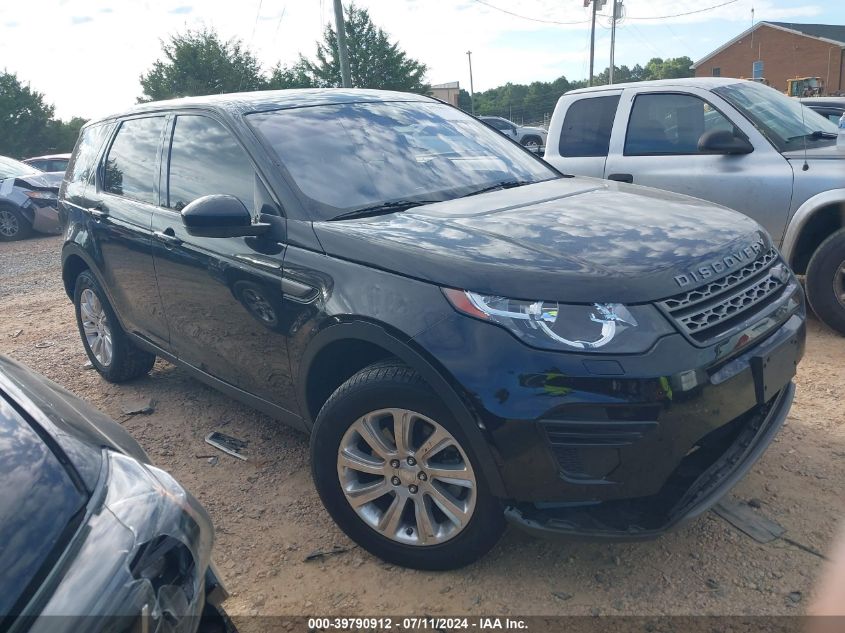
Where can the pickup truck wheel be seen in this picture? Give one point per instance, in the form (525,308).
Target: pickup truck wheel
(13,225)
(108,347)
(397,475)
(826,281)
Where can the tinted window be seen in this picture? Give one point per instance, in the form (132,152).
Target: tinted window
(205,159)
(131,161)
(670,124)
(57,164)
(587,126)
(347,157)
(82,163)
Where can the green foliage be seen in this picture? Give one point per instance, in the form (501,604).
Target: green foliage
(24,117)
(533,103)
(374,61)
(27,122)
(200,63)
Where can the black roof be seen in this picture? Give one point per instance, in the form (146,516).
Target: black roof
(263,100)
(835,32)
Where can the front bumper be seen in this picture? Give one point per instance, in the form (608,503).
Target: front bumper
(626,445)
(45,216)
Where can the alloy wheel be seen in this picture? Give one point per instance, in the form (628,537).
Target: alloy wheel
(407,477)
(96,326)
(9,224)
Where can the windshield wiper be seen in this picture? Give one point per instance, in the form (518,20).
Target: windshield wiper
(383,209)
(815,135)
(502,184)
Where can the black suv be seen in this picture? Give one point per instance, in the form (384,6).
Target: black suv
(467,334)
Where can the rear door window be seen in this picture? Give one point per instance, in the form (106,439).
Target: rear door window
(130,169)
(587,126)
(206,159)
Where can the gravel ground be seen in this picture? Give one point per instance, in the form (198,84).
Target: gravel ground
(268,516)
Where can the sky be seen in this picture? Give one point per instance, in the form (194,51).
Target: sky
(86,56)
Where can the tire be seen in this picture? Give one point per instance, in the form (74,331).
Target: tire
(124,361)
(825,282)
(532,141)
(13,225)
(392,385)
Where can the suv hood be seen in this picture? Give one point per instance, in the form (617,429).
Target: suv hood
(577,240)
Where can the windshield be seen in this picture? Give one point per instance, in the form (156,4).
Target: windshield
(783,120)
(346,157)
(11,168)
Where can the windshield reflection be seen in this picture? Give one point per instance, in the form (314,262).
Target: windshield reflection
(345,157)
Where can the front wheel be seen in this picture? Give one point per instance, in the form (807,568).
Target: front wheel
(13,225)
(396,473)
(826,281)
(532,142)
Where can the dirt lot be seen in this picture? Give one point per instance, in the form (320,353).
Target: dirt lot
(268,516)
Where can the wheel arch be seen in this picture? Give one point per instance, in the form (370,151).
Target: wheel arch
(815,220)
(369,342)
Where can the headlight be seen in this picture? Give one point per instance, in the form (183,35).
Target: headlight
(41,195)
(601,327)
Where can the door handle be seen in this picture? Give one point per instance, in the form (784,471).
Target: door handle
(629,178)
(168,237)
(98,211)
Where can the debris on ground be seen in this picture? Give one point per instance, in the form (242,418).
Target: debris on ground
(228,444)
(16,333)
(319,554)
(88,365)
(43,344)
(561,595)
(743,517)
(139,407)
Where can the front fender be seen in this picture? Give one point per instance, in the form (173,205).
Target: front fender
(803,215)
(403,350)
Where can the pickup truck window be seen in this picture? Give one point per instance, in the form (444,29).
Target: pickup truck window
(783,120)
(662,124)
(587,125)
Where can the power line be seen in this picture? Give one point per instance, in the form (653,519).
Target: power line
(654,17)
(678,15)
(525,17)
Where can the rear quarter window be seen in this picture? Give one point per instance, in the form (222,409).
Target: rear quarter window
(587,126)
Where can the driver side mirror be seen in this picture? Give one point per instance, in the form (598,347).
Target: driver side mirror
(220,216)
(723,142)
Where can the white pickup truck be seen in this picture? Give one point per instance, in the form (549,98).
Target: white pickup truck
(731,141)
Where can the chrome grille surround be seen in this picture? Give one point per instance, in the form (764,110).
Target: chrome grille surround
(708,311)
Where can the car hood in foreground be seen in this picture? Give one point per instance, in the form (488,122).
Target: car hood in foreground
(577,240)
(80,430)
(39,501)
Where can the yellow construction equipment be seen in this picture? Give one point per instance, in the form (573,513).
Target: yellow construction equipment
(805,87)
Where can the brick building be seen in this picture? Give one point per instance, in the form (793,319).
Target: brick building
(777,51)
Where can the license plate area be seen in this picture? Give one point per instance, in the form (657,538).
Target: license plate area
(774,369)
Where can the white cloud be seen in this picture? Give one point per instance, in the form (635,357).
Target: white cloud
(87,55)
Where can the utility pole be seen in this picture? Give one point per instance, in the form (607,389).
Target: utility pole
(616,5)
(471,90)
(343,55)
(593,36)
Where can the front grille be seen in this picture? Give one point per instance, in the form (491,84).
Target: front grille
(711,310)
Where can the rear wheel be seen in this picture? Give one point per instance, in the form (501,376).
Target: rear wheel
(826,281)
(13,225)
(532,142)
(108,347)
(396,473)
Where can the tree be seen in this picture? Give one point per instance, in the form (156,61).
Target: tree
(201,63)
(296,76)
(374,61)
(24,118)
(672,68)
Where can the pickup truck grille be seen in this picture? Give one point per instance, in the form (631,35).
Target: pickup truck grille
(709,311)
